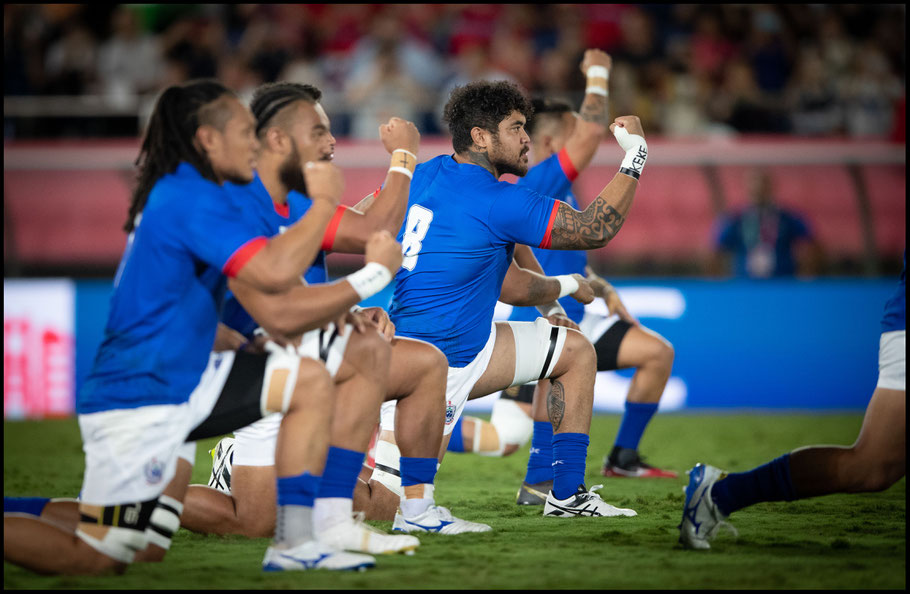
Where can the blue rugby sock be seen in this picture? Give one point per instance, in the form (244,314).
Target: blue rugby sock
(570,450)
(770,482)
(634,422)
(456,443)
(418,471)
(298,490)
(540,463)
(340,475)
(25,505)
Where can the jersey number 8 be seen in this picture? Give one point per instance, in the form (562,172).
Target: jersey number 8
(419,219)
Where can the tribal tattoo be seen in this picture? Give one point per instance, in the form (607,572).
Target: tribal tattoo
(590,228)
(594,110)
(482,159)
(556,404)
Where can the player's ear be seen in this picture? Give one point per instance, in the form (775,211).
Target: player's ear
(480,137)
(207,138)
(276,140)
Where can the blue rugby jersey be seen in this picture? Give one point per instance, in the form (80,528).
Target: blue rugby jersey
(168,294)
(895,316)
(271,219)
(553,177)
(458,238)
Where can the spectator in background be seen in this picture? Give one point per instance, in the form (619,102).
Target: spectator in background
(382,91)
(870,92)
(765,240)
(70,62)
(813,103)
(129,63)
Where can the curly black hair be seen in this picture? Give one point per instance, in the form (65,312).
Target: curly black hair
(483,104)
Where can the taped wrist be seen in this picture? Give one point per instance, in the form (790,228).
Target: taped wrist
(370,279)
(636,152)
(597,78)
(567,285)
(550,309)
(403,161)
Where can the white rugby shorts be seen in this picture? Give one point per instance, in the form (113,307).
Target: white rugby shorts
(892,360)
(254,445)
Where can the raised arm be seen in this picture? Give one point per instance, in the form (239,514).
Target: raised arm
(278,265)
(289,314)
(601,221)
(385,210)
(593,119)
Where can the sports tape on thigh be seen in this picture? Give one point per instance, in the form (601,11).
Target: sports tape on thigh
(538,346)
(280,378)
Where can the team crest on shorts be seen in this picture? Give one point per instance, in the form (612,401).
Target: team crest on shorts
(154,470)
(450,413)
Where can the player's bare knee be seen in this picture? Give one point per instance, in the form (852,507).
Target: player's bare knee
(883,474)
(370,353)
(314,382)
(258,526)
(433,364)
(579,352)
(662,355)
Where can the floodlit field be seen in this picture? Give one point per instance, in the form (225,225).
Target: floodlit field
(842,541)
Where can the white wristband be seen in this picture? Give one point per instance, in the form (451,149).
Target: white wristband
(370,279)
(402,170)
(407,152)
(567,285)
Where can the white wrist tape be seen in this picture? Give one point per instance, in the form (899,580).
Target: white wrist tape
(551,309)
(636,152)
(597,80)
(404,161)
(370,279)
(567,285)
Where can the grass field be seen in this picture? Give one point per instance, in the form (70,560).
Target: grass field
(837,542)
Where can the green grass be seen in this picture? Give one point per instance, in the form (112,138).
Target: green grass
(838,542)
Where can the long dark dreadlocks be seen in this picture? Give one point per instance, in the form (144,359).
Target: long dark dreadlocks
(179,112)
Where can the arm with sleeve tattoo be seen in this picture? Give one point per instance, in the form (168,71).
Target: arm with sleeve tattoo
(593,118)
(602,219)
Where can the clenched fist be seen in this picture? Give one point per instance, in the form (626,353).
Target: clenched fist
(400,134)
(382,248)
(324,181)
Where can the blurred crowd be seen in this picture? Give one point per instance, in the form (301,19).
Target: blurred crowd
(685,69)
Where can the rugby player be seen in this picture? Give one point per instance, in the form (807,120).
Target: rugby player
(877,459)
(563,144)
(155,380)
(294,129)
(458,241)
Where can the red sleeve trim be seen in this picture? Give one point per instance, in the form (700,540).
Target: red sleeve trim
(545,242)
(328,240)
(283,209)
(566,163)
(242,255)
(376,192)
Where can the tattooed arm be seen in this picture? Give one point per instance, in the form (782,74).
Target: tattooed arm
(593,119)
(601,221)
(525,287)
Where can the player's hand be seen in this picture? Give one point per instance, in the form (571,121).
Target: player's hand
(378,316)
(400,134)
(560,319)
(382,248)
(595,57)
(584,294)
(227,339)
(632,125)
(256,345)
(324,181)
(614,304)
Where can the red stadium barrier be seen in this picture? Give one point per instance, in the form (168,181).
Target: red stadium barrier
(65,202)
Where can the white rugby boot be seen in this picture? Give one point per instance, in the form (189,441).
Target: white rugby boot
(701,518)
(583,503)
(353,534)
(436,519)
(313,554)
(222,465)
